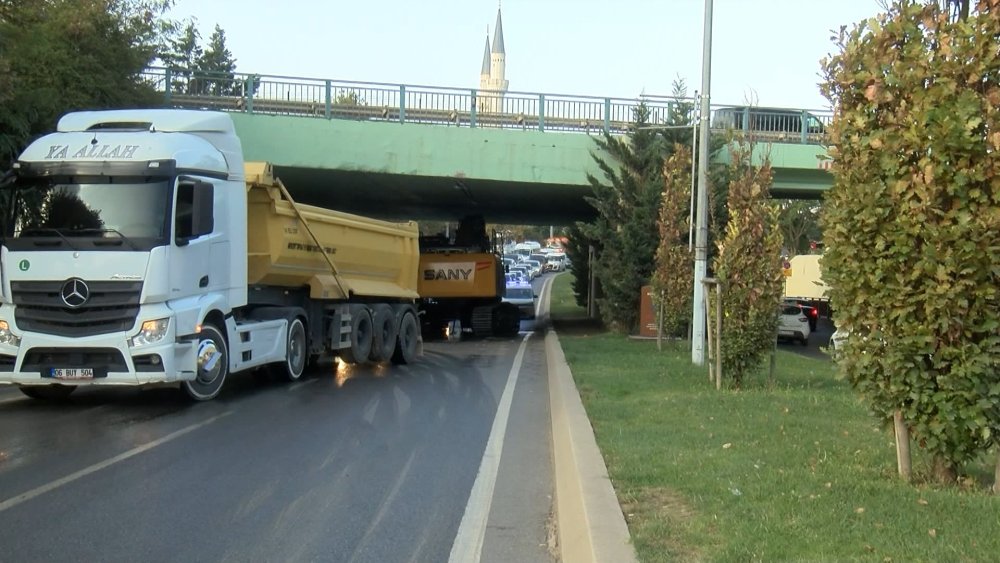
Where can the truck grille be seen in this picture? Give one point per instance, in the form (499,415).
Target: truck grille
(111,306)
(101,360)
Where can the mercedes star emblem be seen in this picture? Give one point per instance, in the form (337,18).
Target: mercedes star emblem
(75,292)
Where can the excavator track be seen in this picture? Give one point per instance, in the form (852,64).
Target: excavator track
(482,320)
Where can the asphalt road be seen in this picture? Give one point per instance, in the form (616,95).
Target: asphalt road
(817,340)
(352,464)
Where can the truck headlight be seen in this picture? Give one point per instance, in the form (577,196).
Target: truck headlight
(7,337)
(151,333)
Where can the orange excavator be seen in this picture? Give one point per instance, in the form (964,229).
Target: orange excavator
(463,280)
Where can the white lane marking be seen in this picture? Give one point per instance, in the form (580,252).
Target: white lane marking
(384,507)
(14,501)
(468,544)
(542,298)
(12,399)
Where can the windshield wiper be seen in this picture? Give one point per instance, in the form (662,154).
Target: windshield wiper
(108,230)
(47,230)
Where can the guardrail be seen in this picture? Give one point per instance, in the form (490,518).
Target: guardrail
(375,101)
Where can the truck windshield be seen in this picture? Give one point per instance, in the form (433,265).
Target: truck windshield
(132,210)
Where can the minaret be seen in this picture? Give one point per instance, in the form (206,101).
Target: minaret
(492,76)
(484,74)
(498,58)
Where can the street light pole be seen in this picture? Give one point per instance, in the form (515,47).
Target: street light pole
(701,228)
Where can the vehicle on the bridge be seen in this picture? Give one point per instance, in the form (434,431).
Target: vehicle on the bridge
(523,297)
(768,120)
(139,250)
(793,324)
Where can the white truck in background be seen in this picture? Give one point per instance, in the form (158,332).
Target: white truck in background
(138,249)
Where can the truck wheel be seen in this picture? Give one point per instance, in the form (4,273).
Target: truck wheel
(48,392)
(361,336)
(385,331)
(406,341)
(212,365)
(296,352)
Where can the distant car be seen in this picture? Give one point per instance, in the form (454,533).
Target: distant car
(837,341)
(536,267)
(811,313)
(556,262)
(523,296)
(793,324)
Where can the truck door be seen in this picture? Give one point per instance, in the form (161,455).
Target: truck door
(190,260)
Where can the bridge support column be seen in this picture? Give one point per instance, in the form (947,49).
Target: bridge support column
(541,112)
(472,111)
(607,114)
(402,103)
(328,100)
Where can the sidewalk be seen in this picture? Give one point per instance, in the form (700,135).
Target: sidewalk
(591,525)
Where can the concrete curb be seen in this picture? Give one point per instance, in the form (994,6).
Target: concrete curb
(590,521)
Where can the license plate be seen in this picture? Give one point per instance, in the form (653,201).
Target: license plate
(72,373)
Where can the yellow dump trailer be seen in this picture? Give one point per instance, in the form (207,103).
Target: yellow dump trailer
(337,255)
(806,279)
(350,281)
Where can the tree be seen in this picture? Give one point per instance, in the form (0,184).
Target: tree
(63,55)
(578,251)
(912,221)
(672,279)
(747,265)
(627,200)
(627,207)
(182,55)
(799,224)
(215,67)
(349,98)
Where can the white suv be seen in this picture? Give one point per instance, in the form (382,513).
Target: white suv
(793,324)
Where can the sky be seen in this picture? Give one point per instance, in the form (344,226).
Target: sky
(764,52)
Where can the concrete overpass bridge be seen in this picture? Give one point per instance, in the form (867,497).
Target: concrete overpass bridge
(419,152)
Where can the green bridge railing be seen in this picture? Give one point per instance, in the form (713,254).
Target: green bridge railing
(456,107)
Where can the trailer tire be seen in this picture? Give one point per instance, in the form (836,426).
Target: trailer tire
(212,351)
(384,333)
(407,339)
(296,352)
(362,330)
(48,392)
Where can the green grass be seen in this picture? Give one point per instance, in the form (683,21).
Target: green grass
(791,468)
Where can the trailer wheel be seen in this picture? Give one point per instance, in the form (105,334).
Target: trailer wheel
(48,392)
(406,341)
(296,352)
(385,330)
(361,336)
(212,365)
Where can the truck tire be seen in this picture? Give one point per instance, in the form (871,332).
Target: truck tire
(384,333)
(48,392)
(212,365)
(296,352)
(406,340)
(361,336)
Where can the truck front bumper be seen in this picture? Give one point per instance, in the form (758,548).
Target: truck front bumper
(41,359)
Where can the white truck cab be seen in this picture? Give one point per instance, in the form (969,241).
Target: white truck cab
(124,253)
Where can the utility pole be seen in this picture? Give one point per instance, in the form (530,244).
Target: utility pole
(701,228)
